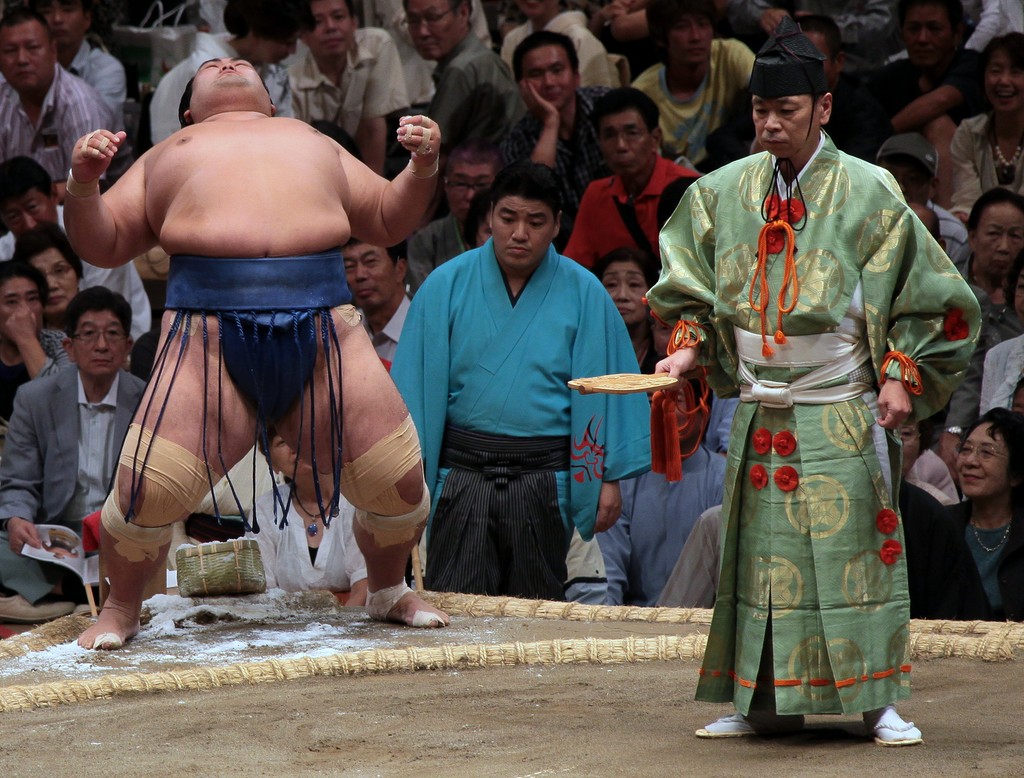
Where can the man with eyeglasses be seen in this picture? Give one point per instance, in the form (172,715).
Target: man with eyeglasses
(61,450)
(469,172)
(622,210)
(475,96)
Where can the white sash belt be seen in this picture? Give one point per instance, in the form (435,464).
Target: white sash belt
(834,354)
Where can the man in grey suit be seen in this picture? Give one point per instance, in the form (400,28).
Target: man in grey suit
(61,449)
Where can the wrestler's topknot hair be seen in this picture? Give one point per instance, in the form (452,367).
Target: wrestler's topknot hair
(529,180)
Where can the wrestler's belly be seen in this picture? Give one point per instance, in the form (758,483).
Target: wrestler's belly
(313,228)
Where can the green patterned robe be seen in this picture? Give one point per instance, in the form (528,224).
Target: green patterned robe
(805,563)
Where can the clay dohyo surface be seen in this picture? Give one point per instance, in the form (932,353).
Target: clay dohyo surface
(578,720)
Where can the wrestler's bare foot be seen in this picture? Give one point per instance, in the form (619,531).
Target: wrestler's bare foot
(114,627)
(402,605)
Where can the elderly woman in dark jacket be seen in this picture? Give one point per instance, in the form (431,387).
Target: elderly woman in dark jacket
(990,463)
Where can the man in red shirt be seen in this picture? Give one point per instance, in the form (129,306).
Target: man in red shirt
(622,210)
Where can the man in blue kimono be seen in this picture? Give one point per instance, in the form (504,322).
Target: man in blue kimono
(512,456)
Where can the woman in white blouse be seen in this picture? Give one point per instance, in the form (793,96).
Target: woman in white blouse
(304,554)
(988,150)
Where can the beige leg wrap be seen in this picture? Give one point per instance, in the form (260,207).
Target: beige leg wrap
(130,541)
(175,481)
(369,483)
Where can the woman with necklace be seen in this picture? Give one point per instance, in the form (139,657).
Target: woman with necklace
(299,552)
(990,463)
(988,150)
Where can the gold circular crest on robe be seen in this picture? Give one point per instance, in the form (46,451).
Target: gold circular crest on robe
(702,221)
(830,184)
(940,262)
(867,581)
(752,186)
(821,280)
(819,508)
(876,324)
(787,587)
(849,430)
(811,655)
(734,278)
(754,581)
(878,240)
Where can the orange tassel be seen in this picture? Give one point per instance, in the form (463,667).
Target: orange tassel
(759,291)
(670,430)
(666,432)
(657,439)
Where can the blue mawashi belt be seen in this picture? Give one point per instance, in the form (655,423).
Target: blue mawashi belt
(311,281)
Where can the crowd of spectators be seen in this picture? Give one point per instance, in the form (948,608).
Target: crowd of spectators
(628,101)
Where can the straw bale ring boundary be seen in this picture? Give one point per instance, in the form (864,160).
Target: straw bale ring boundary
(928,640)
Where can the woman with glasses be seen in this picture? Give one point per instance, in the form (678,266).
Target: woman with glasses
(46,248)
(990,463)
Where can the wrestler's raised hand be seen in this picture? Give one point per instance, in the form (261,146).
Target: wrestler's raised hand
(421,135)
(92,154)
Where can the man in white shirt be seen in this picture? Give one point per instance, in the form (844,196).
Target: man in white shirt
(61,449)
(350,76)
(69,21)
(377,280)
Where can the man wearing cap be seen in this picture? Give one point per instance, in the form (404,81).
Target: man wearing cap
(801,281)
(914,163)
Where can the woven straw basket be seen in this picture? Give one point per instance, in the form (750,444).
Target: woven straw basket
(231,567)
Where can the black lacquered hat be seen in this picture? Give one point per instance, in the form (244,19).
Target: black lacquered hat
(788,64)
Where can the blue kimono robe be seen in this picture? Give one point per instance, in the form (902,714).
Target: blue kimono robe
(468,358)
